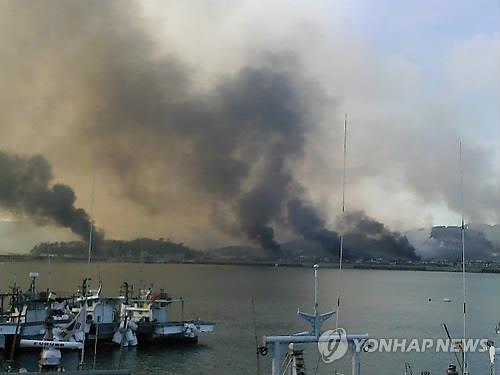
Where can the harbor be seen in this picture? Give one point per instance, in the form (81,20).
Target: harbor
(373,304)
(122,320)
(250,187)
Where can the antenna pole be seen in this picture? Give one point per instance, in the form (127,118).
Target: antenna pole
(49,272)
(316,290)
(254,321)
(91,230)
(341,250)
(464,361)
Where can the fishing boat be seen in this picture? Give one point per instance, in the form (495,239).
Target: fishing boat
(51,346)
(103,313)
(146,318)
(27,313)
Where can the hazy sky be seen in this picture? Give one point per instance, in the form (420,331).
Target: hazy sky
(430,65)
(414,76)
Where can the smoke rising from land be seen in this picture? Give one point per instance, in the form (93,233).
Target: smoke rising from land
(188,149)
(364,237)
(25,189)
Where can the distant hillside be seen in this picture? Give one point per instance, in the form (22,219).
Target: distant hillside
(144,249)
(491,232)
(293,251)
(482,242)
(300,250)
(238,253)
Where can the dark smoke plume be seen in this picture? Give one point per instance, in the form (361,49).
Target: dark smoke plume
(226,149)
(369,238)
(25,189)
(306,222)
(363,236)
(446,243)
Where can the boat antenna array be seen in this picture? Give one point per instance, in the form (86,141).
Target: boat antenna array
(314,336)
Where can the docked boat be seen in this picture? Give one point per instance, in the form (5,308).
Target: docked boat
(51,347)
(103,313)
(27,314)
(146,318)
(126,320)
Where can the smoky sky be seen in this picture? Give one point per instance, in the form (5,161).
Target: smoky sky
(92,81)
(26,189)
(446,243)
(364,237)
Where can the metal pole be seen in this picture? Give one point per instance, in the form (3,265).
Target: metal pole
(254,319)
(91,222)
(18,324)
(49,276)
(276,360)
(182,309)
(341,250)
(316,289)
(356,360)
(464,356)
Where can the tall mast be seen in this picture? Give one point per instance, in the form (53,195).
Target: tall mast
(91,222)
(464,361)
(341,250)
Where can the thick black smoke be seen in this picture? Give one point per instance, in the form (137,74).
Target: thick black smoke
(363,236)
(165,138)
(25,189)
(369,238)
(307,222)
(446,243)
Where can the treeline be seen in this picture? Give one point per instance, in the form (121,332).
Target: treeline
(141,249)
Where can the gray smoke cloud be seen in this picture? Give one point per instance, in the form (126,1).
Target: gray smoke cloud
(25,188)
(233,144)
(446,243)
(149,125)
(373,239)
(166,140)
(364,237)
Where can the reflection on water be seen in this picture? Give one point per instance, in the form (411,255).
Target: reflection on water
(381,303)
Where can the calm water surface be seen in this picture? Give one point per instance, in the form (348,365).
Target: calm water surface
(391,304)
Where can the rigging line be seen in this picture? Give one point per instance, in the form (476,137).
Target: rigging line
(91,222)
(449,338)
(341,250)
(464,359)
(254,322)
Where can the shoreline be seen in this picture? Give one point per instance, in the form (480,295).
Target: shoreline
(474,267)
